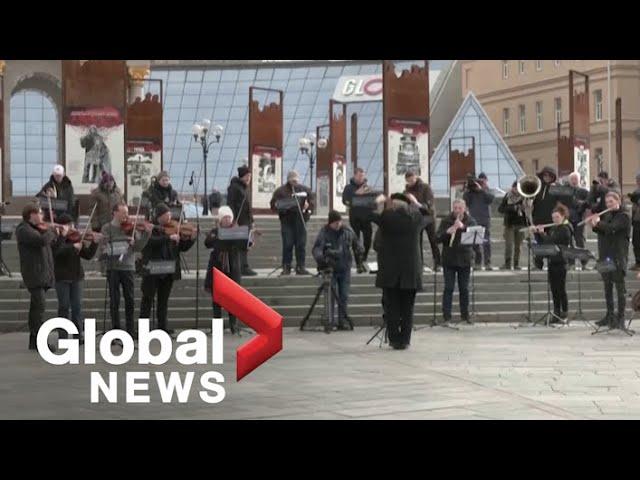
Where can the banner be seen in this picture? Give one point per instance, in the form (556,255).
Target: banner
(144,160)
(339,182)
(408,149)
(581,160)
(266,175)
(94,142)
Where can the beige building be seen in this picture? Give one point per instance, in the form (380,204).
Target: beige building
(525,99)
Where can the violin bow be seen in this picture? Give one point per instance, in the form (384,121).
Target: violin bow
(88,223)
(135,222)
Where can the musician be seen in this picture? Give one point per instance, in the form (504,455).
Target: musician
(36,264)
(159,192)
(601,186)
(399,264)
(239,201)
(613,229)
(635,222)
(120,268)
(456,259)
(104,197)
(226,257)
(162,246)
(69,273)
(577,204)
(358,216)
(478,198)
(559,234)
(423,193)
(292,223)
(514,218)
(543,205)
(332,251)
(59,187)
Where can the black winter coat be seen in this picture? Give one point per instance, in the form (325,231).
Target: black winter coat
(36,257)
(343,241)
(63,191)
(635,207)
(161,247)
(597,194)
(156,194)
(347,198)
(238,198)
(513,213)
(225,256)
(558,235)
(576,203)
(456,255)
(424,195)
(399,259)
(543,205)
(614,229)
(66,259)
(479,205)
(292,215)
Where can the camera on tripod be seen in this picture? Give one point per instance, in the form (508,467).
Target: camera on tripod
(330,258)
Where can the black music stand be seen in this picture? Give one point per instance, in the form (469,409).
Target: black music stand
(472,237)
(583,255)
(547,251)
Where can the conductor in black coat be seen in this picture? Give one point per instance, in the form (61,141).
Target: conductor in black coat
(399,264)
(36,264)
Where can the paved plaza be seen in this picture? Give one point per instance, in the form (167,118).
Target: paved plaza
(479,372)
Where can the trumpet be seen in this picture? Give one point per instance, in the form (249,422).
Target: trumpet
(453,235)
(588,219)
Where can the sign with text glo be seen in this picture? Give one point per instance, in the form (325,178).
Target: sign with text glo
(358,88)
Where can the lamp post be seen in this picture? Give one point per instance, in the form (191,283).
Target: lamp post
(306,145)
(206,136)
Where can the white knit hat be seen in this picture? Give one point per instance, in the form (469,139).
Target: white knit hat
(225,211)
(58,170)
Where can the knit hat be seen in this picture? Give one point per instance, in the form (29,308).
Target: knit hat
(64,219)
(334,216)
(243,170)
(163,174)
(292,175)
(58,170)
(161,209)
(482,176)
(225,211)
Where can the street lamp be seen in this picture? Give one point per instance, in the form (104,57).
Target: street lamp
(306,145)
(206,136)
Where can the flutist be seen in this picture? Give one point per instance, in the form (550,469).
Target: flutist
(456,259)
(558,234)
(613,229)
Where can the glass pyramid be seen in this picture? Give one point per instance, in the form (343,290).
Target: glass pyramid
(493,156)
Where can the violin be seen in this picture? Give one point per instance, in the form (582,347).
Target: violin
(44,226)
(75,236)
(187,230)
(127,227)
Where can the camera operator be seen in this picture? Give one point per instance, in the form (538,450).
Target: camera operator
(358,216)
(292,224)
(479,199)
(635,221)
(331,251)
(599,190)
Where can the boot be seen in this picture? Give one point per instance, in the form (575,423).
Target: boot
(32,342)
(286,270)
(300,270)
(247,272)
(606,320)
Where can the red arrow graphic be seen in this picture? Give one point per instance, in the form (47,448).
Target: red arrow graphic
(264,320)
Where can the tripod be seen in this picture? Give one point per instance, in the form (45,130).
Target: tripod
(382,332)
(330,294)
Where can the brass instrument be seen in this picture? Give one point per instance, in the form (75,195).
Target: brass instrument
(529,186)
(588,219)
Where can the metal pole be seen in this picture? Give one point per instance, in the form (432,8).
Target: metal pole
(205,200)
(609,114)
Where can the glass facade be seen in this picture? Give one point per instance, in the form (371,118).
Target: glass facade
(33,140)
(222,95)
(493,156)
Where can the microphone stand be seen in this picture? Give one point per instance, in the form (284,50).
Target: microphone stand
(195,199)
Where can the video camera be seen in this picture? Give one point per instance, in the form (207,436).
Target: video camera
(330,258)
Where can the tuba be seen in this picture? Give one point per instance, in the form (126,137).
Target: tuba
(529,186)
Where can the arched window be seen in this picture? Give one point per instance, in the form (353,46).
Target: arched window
(34,140)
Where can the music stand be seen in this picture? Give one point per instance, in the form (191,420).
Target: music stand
(546,251)
(571,254)
(473,236)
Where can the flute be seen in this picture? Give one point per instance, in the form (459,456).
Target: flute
(594,216)
(546,225)
(453,235)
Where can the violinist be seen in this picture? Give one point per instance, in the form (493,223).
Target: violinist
(34,240)
(120,267)
(68,249)
(165,243)
(226,257)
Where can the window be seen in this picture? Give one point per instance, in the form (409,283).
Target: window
(536,165)
(538,65)
(558,107)
(505,121)
(599,154)
(505,69)
(521,67)
(522,119)
(597,100)
(539,116)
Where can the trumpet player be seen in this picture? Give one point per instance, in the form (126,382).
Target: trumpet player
(456,259)
(558,234)
(543,205)
(613,229)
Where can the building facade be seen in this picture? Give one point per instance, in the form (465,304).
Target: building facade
(526,99)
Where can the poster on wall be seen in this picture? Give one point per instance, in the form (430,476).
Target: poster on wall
(581,160)
(144,161)
(323,193)
(339,182)
(266,175)
(94,142)
(408,144)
